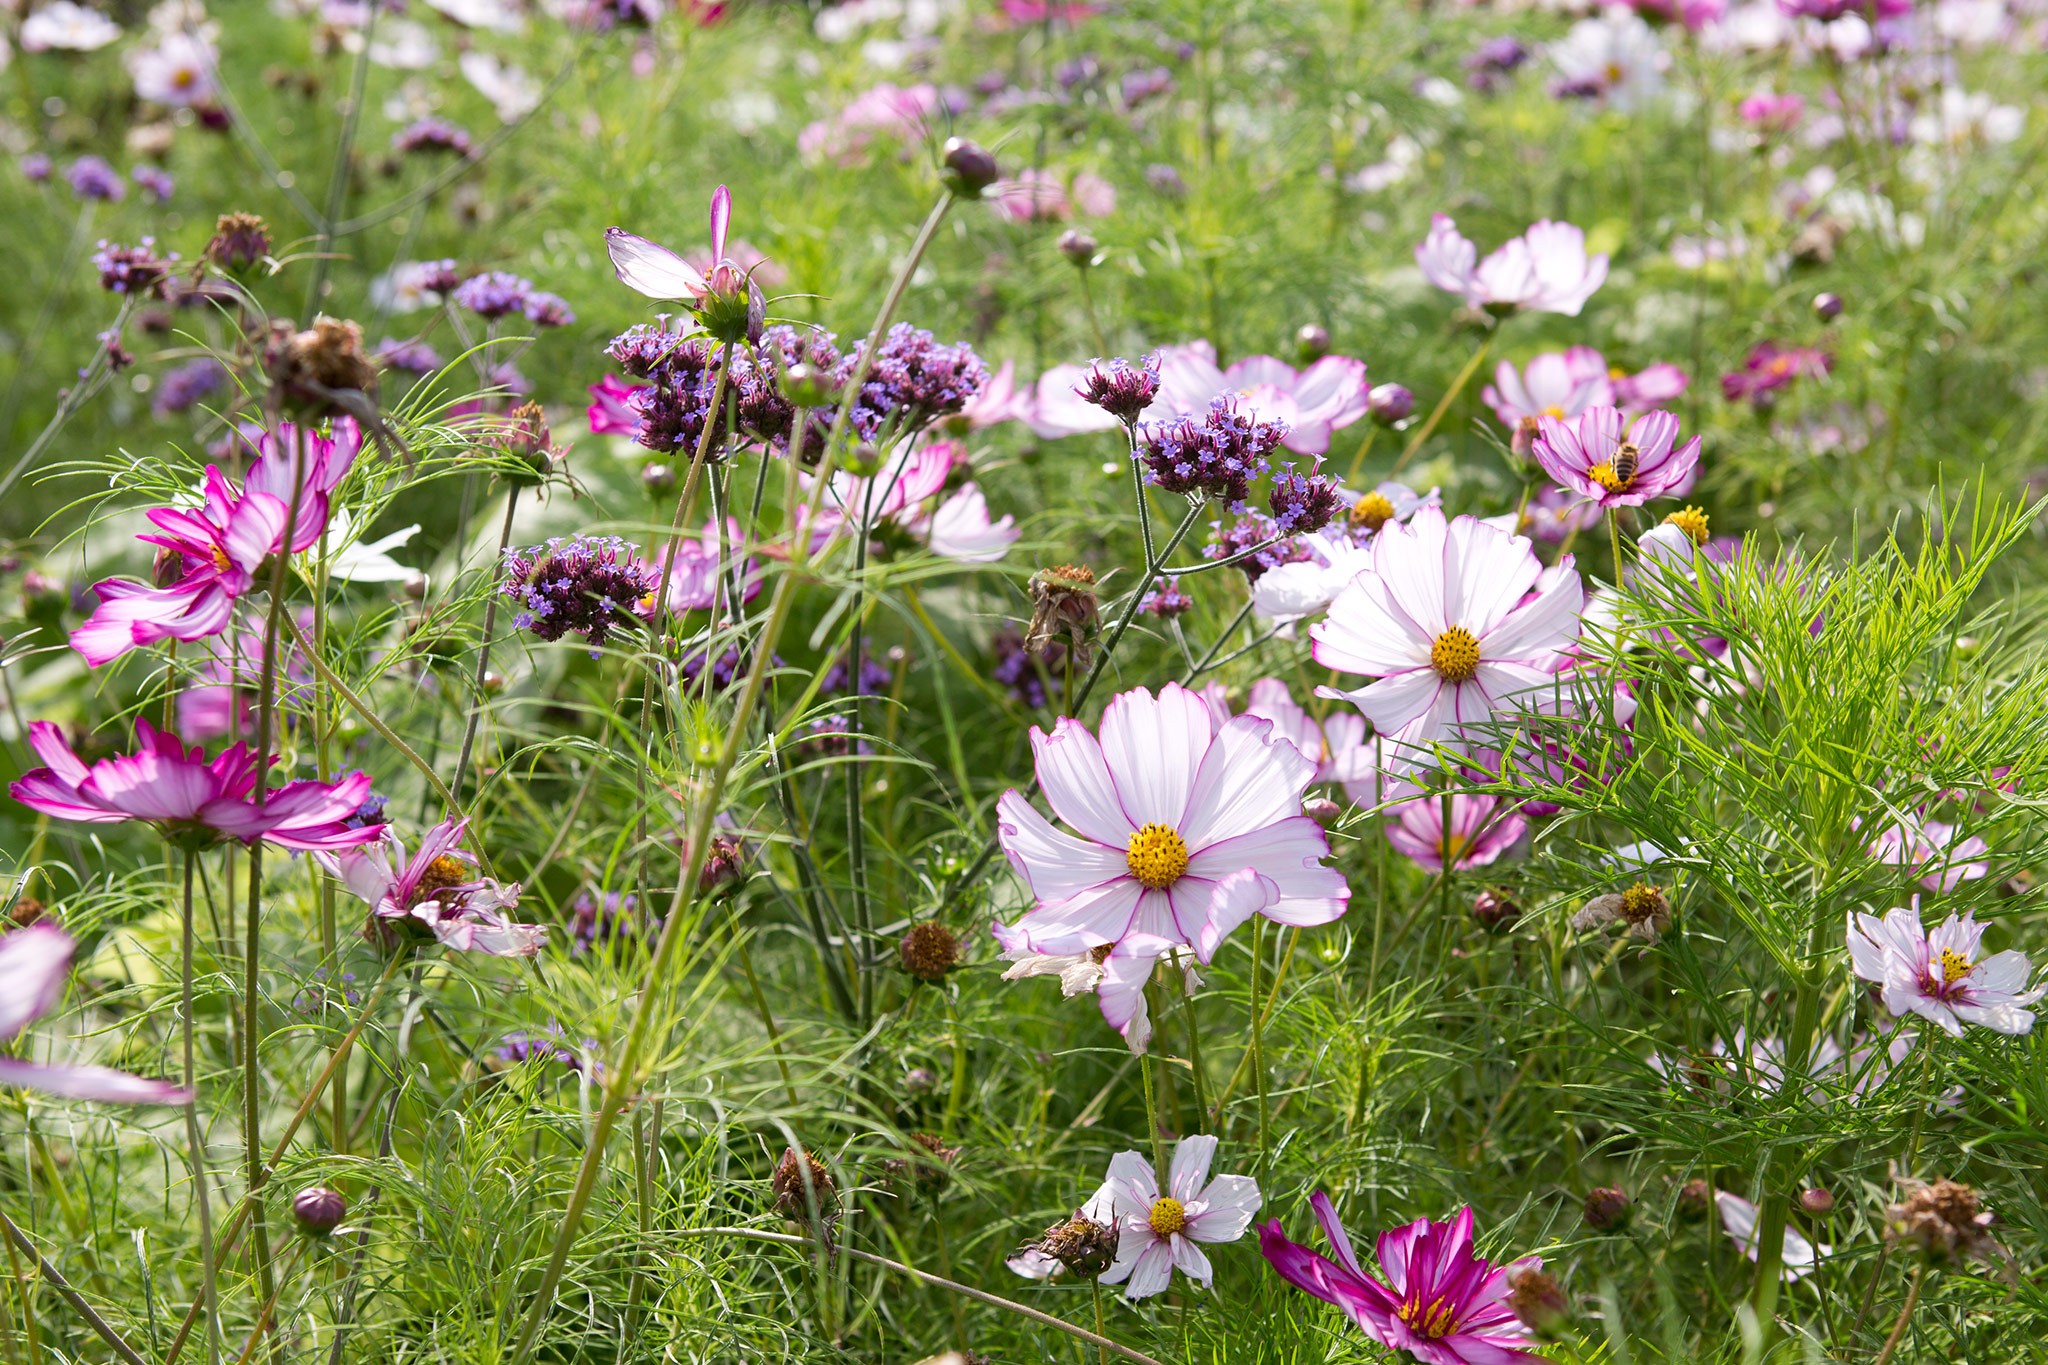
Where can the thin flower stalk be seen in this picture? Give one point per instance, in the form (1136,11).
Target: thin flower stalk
(1443,405)
(483,653)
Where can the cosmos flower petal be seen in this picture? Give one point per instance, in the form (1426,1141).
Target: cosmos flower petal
(1189,1170)
(1250,778)
(1288,854)
(1231,1201)
(1055,865)
(1236,898)
(1077,783)
(1153,747)
(1101,914)
(100,1083)
(649,268)
(33,964)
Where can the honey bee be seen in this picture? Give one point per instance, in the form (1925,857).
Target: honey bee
(1625,460)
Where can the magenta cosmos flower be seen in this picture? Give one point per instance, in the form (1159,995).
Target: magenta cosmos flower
(1939,975)
(1460,622)
(1159,1231)
(1482,828)
(436,893)
(1615,460)
(1168,809)
(1545,270)
(34,962)
(1439,1303)
(187,797)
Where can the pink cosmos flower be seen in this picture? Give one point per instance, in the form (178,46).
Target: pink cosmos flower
(1459,621)
(1159,1231)
(898,114)
(1773,113)
(1938,975)
(1931,848)
(1055,411)
(1326,397)
(609,413)
(436,893)
(1771,367)
(1545,270)
(1559,384)
(999,400)
(905,492)
(1185,831)
(187,797)
(1650,388)
(1482,828)
(1439,1303)
(1337,746)
(649,268)
(34,962)
(1615,460)
(1739,1218)
(693,584)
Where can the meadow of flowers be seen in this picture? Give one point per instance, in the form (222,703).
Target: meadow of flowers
(1009,681)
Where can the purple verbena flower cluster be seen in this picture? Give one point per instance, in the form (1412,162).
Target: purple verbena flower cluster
(1302,503)
(1253,529)
(914,379)
(1217,454)
(1165,599)
(1120,389)
(582,585)
(134,270)
(874,678)
(180,388)
(611,916)
(433,135)
(493,294)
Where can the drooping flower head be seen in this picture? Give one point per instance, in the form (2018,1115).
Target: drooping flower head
(34,961)
(188,797)
(1616,461)
(582,585)
(1439,1302)
(1940,975)
(1461,624)
(438,893)
(1161,1230)
(1545,270)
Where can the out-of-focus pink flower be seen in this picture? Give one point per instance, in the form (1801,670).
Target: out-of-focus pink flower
(610,413)
(1615,460)
(1057,410)
(1651,388)
(1460,622)
(1772,112)
(436,893)
(905,493)
(693,583)
(1771,367)
(1829,10)
(1559,384)
(186,796)
(1545,270)
(1938,975)
(896,113)
(1000,400)
(1554,514)
(1439,1303)
(34,962)
(1694,14)
(1027,12)
(1932,849)
(1482,828)
(1327,396)
(177,72)
(1337,746)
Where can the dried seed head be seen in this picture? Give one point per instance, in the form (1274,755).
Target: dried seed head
(239,241)
(1086,1248)
(1062,605)
(800,1184)
(1538,1300)
(929,951)
(1945,1221)
(930,1171)
(322,371)
(25,911)
(1607,1209)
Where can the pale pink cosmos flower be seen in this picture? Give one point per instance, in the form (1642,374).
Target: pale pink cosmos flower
(999,400)
(1185,830)
(1337,746)
(1739,1218)
(1116,975)
(693,583)
(437,893)
(1054,410)
(1461,624)
(1545,270)
(1326,397)
(1160,1231)
(1439,1303)
(1335,555)
(1932,848)
(1653,387)
(34,962)
(1615,460)
(897,113)
(1481,829)
(647,267)
(1559,384)
(906,493)
(177,72)
(1039,196)
(1939,975)
(188,797)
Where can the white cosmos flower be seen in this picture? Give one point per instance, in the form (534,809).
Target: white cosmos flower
(1160,1231)
(62,26)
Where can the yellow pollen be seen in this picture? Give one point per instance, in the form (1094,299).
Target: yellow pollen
(1455,655)
(1168,1217)
(1605,475)
(1554,411)
(1433,1320)
(1157,857)
(1372,511)
(220,558)
(1614,73)
(1616,372)
(1692,521)
(1954,966)
(1453,847)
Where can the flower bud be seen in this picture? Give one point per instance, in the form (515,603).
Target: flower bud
(25,911)
(1538,1300)
(929,951)
(319,1209)
(1078,247)
(932,1169)
(1827,307)
(800,1184)
(1493,910)
(1607,1209)
(970,168)
(1695,1198)
(1390,403)
(1322,810)
(657,479)
(240,240)
(1313,343)
(920,1080)
(806,386)
(1816,1201)
(526,438)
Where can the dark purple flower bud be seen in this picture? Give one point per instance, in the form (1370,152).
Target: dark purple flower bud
(1312,342)
(1390,403)
(319,1209)
(1165,181)
(723,865)
(1607,1209)
(1827,307)
(1078,247)
(1695,1199)
(657,478)
(1254,531)
(1118,389)
(1302,503)
(970,168)
(1322,810)
(433,135)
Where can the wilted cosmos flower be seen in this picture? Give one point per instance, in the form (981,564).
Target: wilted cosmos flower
(34,962)
(1461,624)
(1185,831)
(437,893)
(1439,1303)
(1940,975)
(582,585)
(188,797)
(1163,1230)
(1545,270)
(1617,461)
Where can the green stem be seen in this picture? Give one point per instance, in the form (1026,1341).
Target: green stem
(115,1342)
(1259,1047)
(208,1293)
(1891,1343)
(483,654)
(1423,432)
(369,717)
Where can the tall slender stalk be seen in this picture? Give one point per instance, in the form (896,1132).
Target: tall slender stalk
(195,1139)
(1443,405)
(483,653)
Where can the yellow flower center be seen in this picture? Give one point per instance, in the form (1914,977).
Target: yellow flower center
(1609,478)
(1452,847)
(1554,411)
(1455,655)
(1168,1217)
(1954,966)
(1372,511)
(1434,1319)
(220,559)
(1692,521)
(1157,857)
(442,873)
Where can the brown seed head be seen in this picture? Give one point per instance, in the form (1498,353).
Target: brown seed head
(1086,1248)
(929,950)
(1538,1300)
(801,1183)
(1945,1220)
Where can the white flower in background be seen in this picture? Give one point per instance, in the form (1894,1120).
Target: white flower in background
(494,15)
(1739,1217)
(1615,58)
(510,90)
(399,45)
(177,72)
(367,561)
(403,288)
(63,26)
(1962,117)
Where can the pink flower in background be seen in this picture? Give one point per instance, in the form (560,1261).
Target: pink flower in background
(34,962)
(1482,828)
(436,893)
(1337,746)
(1326,397)
(1545,270)
(1056,410)
(609,413)
(693,584)
(905,493)
(896,113)
(1772,112)
(1559,384)
(1829,10)
(998,401)
(1653,387)
(1163,1230)
(1184,831)
(1460,622)
(1939,975)
(187,797)
(1555,513)
(1615,460)
(1439,1303)
(1771,367)
(176,73)
(1039,196)
(1931,848)
(1694,14)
